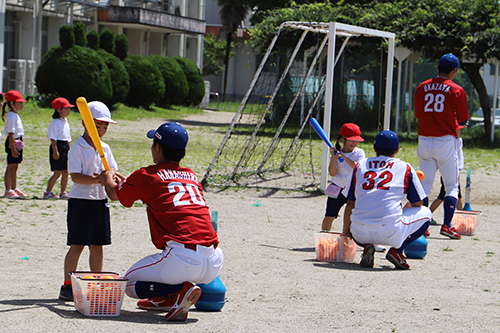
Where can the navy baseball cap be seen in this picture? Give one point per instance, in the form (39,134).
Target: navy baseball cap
(171,134)
(449,60)
(387,140)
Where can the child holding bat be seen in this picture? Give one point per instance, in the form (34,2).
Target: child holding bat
(341,172)
(88,213)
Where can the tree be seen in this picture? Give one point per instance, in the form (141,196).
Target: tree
(231,13)
(213,50)
(468,28)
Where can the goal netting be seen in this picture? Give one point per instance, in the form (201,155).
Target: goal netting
(269,143)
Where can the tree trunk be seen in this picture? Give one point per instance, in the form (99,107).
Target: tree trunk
(229,40)
(473,72)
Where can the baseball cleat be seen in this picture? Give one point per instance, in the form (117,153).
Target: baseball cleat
(398,259)
(450,232)
(367,257)
(66,293)
(183,300)
(156,304)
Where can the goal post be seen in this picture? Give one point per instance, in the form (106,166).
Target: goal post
(254,152)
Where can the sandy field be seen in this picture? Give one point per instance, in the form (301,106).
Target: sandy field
(274,282)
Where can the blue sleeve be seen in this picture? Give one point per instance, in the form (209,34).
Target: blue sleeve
(351,195)
(412,194)
(463,123)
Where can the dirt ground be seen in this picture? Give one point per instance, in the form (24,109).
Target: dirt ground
(274,283)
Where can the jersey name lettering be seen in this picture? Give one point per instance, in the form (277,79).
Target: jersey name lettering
(380,164)
(172,174)
(436,86)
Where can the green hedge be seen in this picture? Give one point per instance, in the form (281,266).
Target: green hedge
(176,85)
(146,82)
(195,80)
(120,82)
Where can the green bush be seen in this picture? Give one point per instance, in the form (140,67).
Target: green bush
(74,72)
(93,40)
(146,82)
(79,31)
(66,37)
(176,85)
(195,80)
(107,41)
(121,46)
(119,78)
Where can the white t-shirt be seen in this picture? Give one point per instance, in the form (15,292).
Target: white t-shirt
(344,171)
(13,124)
(84,159)
(59,130)
(380,185)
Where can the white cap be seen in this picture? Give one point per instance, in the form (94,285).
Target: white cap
(100,112)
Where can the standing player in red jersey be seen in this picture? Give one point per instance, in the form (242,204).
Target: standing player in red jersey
(180,226)
(440,107)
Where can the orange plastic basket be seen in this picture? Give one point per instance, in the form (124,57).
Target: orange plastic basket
(331,247)
(466,221)
(98,294)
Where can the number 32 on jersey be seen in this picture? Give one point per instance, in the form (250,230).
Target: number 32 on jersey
(379,181)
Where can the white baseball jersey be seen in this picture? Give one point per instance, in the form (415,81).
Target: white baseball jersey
(379,185)
(344,171)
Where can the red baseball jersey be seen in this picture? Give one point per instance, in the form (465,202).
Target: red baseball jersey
(175,204)
(439,104)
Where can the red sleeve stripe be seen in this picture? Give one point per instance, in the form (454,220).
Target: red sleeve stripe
(407,178)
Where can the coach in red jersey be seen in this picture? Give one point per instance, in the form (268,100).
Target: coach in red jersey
(441,107)
(180,226)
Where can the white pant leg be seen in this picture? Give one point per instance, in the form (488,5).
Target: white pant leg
(392,234)
(427,163)
(176,265)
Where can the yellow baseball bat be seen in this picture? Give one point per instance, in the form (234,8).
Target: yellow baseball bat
(81,102)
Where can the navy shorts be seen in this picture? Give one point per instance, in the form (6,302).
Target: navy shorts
(88,222)
(62,162)
(333,206)
(442,191)
(10,159)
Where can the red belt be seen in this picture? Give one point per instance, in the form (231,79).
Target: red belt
(193,246)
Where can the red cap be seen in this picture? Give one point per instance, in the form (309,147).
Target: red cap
(351,131)
(14,96)
(61,102)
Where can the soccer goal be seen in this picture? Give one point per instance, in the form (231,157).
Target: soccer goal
(269,143)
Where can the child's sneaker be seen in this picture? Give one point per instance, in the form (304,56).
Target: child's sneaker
(11,194)
(64,195)
(49,195)
(20,193)
(66,293)
(450,232)
(183,299)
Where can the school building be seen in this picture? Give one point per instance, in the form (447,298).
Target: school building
(29,28)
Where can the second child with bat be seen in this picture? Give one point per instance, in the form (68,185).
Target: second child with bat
(88,213)
(340,169)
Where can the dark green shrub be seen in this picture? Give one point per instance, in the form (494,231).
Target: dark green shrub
(93,40)
(176,85)
(121,46)
(119,78)
(66,37)
(79,30)
(146,82)
(71,73)
(107,41)
(195,80)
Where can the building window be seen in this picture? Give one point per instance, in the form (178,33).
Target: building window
(492,69)
(10,47)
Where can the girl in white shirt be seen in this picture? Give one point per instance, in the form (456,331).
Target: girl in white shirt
(14,144)
(60,136)
(341,165)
